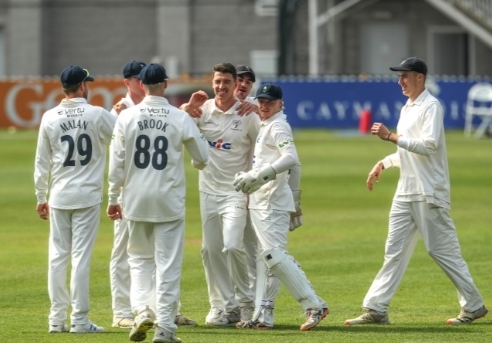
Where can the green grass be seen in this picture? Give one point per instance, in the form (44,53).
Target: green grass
(340,248)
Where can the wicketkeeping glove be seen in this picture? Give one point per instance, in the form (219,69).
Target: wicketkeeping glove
(296,217)
(253,180)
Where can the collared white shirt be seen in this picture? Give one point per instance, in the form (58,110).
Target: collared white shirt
(146,160)
(71,153)
(421,153)
(275,139)
(231,138)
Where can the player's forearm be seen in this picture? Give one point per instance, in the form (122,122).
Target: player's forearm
(115,177)
(287,161)
(114,189)
(113,196)
(295,177)
(187,108)
(199,153)
(41,187)
(391,161)
(41,196)
(41,176)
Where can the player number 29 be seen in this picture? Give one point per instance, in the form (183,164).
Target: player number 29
(143,157)
(84,148)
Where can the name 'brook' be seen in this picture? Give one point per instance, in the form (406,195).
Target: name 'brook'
(152,124)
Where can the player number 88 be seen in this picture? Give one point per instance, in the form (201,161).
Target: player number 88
(143,157)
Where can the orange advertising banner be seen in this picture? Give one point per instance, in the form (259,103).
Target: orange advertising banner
(23,102)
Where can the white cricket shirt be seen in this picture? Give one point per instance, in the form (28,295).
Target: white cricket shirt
(275,140)
(421,153)
(146,160)
(230,138)
(127,100)
(71,154)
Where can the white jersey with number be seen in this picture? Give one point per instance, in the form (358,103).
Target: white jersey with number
(71,154)
(275,139)
(147,160)
(230,138)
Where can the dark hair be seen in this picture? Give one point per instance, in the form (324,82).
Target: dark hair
(68,89)
(226,68)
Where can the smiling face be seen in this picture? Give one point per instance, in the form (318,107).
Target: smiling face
(412,83)
(244,85)
(223,85)
(268,107)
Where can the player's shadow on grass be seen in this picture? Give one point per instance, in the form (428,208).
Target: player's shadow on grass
(292,329)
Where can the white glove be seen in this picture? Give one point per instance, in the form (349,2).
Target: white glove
(296,217)
(253,180)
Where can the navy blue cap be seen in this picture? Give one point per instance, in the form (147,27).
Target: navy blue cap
(74,75)
(412,64)
(153,74)
(269,91)
(244,69)
(133,69)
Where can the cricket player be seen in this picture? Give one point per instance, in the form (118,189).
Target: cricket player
(273,185)
(224,211)
(71,153)
(147,170)
(421,202)
(119,269)
(245,79)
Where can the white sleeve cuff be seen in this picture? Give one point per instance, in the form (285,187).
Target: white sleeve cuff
(387,163)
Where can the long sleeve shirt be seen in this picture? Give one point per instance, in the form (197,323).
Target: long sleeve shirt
(421,153)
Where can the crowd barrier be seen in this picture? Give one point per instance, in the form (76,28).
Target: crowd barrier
(329,102)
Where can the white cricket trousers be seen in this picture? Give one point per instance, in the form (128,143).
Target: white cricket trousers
(406,221)
(271,227)
(72,236)
(223,255)
(159,247)
(250,243)
(119,271)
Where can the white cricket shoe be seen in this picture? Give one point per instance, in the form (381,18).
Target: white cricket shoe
(370,317)
(58,328)
(144,321)
(227,319)
(213,315)
(86,328)
(123,322)
(313,317)
(182,320)
(466,317)
(163,336)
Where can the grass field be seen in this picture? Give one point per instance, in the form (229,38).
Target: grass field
(340,248)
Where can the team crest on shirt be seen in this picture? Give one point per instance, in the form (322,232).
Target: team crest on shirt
(236,125)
